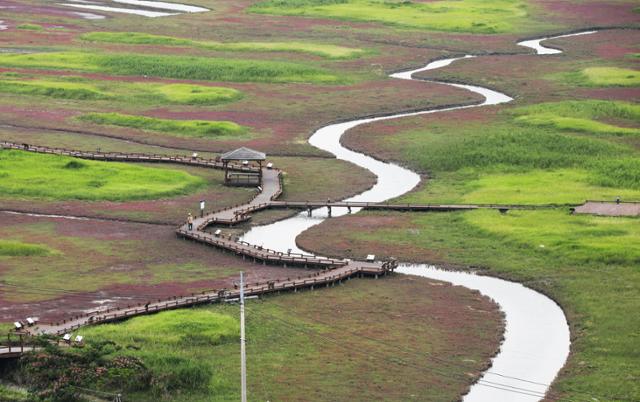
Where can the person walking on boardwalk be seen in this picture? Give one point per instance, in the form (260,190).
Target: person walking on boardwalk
(190,221)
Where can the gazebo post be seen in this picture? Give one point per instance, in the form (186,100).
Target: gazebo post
(226,171)
(260,173)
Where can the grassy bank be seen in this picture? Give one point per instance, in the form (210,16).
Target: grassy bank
(475,16)
(12,248)
(180,67)
(551,153)
(80,88)
(140,38)
(180,128)
(603,77)
(29,175)
(301,347)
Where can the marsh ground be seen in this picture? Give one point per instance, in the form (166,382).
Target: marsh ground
(331,64)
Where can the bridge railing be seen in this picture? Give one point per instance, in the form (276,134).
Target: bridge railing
(189,160)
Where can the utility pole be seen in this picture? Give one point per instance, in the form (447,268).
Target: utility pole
(243,352)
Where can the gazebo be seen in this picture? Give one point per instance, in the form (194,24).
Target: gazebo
(248,158)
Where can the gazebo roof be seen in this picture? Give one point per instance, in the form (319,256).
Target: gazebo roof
(244,154)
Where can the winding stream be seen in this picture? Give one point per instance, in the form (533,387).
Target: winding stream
(536,339)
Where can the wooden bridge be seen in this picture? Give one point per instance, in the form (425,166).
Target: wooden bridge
(330,271)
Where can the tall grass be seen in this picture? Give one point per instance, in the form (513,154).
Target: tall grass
(477,16)
(80,88)
(582,116)
(603,76)
(14,248)
(29,175)
(139,38)
(165,341)
(180,67)
(30,27)
(516,161)
(507,148)
(181,128)
(54,89)
(197,94)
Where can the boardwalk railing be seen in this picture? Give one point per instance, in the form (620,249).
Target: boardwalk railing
(258,253)
(128,157)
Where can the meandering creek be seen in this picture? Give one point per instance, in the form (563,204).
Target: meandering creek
(536,339)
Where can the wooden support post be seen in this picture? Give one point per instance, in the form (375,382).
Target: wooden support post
(329,209)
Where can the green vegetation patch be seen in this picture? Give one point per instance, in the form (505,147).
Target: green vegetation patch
(476,16)
(180,67)
(563,186)
(30,27)
(181,128)
(594,239)
(13,248)
(73,87)
(604,77)
(198,94)
(52,88)
(514,160)
(582,116)
(26,174)
(139,38)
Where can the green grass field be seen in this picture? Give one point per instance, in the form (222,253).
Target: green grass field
(12,248)
(180,67)
(30,27)
(476,16)
(28,175)
(603,77)
(179,128)
(140,38)
(73,87)
(582,116)
(52,88)
(530,155)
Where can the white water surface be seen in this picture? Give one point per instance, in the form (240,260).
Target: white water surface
(144,13)
(541,50)
(90,16)
(536,339)
(163,5)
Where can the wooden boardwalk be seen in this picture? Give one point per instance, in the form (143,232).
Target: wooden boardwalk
(126,157)
(330,271)
(608,208)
